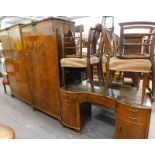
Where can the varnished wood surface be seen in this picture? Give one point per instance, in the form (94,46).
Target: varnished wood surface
(122,93)
(88,97)
(132,116)
(42,53)
(130,40)
(132,121)
(32,54)
(6,132)
(15,62)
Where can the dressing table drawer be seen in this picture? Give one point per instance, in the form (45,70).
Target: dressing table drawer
(132,113)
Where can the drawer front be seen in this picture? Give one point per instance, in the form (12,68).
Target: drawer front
(133,114)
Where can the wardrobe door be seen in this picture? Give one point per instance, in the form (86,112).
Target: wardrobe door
(21,82)
(10,64)
(41,59)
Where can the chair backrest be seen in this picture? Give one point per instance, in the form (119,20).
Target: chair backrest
(98,42)
(115,44)
(72,42)
(136,37)
(79,29)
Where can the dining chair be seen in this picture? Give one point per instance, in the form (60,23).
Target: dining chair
(93,57)
(141,63)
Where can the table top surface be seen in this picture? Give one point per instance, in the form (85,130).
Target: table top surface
(121,92)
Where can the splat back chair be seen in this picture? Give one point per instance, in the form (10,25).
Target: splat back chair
(142,63)
(115,44)
(93,57)
(107,52)
(99,45)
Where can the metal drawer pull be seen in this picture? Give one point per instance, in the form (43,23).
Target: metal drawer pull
(132,118)
(132,110)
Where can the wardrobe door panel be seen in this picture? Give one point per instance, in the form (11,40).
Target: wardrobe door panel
(21,84)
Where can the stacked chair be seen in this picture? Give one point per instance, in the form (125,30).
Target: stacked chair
(135,55)
(97,53)
(142,63)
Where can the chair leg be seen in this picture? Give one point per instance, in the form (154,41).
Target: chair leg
(100,78)
(136,79)
(112,75)
(5,88)
(107,79)
(101,71)
(90,77)
(63,77)
(148,86)
(145,82)
(92,72)
(107,72)
(119,76)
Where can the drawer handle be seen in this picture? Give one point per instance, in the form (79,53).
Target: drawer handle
(132,118)
(132,110)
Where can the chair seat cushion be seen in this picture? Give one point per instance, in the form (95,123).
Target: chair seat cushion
(104,59)
(78,62)
(130,65)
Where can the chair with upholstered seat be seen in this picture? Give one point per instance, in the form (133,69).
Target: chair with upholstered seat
(93,56)
(142,63)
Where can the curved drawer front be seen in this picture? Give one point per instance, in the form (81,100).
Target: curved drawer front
(133,114)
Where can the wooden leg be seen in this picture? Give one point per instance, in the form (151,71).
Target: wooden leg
(136,80)
(78,131)
(62,125)
(107,80)
(99,75)
(112,75)
(107,72)
(119,76)
(63,77)
(101,71)
(34,109)
(92,72)
(145,82)
(90,77)
(81,76)
(5,88)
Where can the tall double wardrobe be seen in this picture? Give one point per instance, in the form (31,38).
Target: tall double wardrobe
(32,53)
